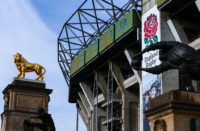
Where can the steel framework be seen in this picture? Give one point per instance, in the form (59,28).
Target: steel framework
(95,104)
(87,24)
(110,99)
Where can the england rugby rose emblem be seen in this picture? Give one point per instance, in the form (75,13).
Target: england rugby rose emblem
(150,26)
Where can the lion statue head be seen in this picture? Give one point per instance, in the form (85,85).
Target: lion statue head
(18,58)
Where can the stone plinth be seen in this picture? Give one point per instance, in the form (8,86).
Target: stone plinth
(172,111)
(21,100)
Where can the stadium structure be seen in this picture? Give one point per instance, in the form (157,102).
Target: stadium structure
(95,48)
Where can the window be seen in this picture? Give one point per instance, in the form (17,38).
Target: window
(74,64)
(100,42)
(82,57)
(86,53)
(95,46)
(125,22)
(121,25)
(111,33)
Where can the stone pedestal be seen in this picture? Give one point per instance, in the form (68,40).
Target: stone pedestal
(21,100)
(172,111)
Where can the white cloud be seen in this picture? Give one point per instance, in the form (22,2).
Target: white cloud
(21,30)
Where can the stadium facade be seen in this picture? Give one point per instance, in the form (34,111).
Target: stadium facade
(95,48)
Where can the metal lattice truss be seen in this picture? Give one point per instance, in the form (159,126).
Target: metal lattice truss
(87,24)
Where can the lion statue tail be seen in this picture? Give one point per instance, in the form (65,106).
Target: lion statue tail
(44,70)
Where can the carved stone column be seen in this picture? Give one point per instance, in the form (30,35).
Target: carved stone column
(21,100)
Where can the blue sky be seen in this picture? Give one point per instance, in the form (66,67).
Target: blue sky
(55,12)
(31,27)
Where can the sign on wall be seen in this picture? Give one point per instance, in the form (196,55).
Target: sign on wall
(151,83)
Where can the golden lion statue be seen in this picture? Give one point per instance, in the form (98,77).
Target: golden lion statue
(24,66)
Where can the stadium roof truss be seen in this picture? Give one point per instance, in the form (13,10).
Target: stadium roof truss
(86,25)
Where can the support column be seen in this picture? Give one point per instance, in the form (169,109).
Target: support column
(130,101)
(85,102)
(135,105)
(87,92)
(97,113)
(173,30)
(82,116)
(102,84)
(134,71)
(119,79)
(86,115)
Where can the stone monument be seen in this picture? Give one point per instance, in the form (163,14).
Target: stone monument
(23,97)
(21,100)
(173,111)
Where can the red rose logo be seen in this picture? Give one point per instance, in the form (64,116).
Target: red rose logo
(150,26)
